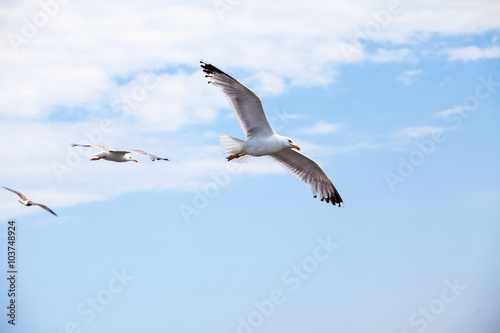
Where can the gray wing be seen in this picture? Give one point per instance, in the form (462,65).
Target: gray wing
(103,147)
(310,173)
(246,104)
(44,207)
(145,153)
(18,193)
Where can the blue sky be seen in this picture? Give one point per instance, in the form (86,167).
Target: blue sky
(405,123)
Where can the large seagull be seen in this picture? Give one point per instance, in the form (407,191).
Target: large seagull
(263,141)
(27,202)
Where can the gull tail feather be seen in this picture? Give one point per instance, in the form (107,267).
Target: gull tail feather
(231,146)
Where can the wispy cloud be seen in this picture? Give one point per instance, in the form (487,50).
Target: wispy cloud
(407,77)
(398,55)
(417,132)
(68,177)
(321,128)
(450,111)
(472,53)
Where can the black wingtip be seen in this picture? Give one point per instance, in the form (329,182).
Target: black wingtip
(210,69)
(335,200)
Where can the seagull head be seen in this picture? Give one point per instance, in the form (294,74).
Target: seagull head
(130,158)
(291,144)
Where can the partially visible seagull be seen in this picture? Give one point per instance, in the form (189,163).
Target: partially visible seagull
(27,202)
(110,154)
(262,140)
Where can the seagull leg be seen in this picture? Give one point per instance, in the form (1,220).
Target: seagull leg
(237,155)
(96,158)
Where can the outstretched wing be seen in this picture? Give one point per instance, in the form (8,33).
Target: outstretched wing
(246,104)
(44,207)
(145,153)
(103,147)
(18,193)
(310,173)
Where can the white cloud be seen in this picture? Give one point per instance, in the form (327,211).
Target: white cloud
(321,151)
(398,55)
(407,77)
(171,102)
(472,53)
(417,132)
(40,162)
(69,62)
(449,112)
(267,83)
(74,59)
(321,128)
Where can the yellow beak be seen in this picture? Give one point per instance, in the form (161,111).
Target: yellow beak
(296,147)
(136,161)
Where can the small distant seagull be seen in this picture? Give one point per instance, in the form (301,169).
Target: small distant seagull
(262,140)
(27,202)
(110,154)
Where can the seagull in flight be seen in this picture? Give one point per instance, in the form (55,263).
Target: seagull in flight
(27,202)
(263,141)
(110,154)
